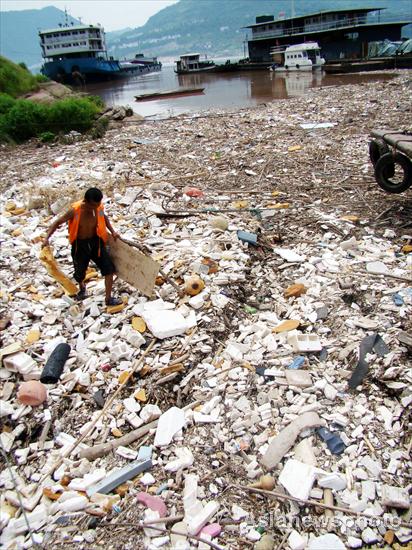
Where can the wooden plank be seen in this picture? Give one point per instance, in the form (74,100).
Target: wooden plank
(402,142)
(132,266)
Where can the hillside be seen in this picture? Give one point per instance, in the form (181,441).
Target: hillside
(19,33)
(214,27)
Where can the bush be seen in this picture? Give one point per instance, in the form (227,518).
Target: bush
(15,80)
(97,101)
(6,103)
(24,119)
(47,137)
(72,114)
(41,78)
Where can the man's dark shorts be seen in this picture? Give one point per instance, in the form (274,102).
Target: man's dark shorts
(84,250)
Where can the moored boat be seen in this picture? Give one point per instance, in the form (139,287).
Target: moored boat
(298,57)
(147,64)
(76,54)
(191,63)
(168,93)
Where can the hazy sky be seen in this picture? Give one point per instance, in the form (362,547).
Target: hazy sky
(111,14)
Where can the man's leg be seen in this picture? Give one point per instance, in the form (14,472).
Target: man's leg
(80,263)
(103,261)
(108,283)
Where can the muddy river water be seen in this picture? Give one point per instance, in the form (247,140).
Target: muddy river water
(221,91)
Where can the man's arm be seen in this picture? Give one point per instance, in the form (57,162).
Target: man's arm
(110,228)
(60,221)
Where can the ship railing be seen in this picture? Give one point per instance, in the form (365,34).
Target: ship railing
(324,26)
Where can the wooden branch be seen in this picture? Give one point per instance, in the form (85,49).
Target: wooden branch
(97,451)
(44,433)
(103,449)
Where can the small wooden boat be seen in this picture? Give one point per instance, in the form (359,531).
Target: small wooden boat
(169,93)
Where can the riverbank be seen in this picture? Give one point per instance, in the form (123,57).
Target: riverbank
(309,198)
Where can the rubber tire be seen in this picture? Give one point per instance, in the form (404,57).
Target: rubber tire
(377,148)
(297,66)
(384,168)
(286,67)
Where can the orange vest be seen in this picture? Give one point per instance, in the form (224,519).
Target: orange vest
(101,230)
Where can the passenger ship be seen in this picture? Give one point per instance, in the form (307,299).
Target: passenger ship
(77,54)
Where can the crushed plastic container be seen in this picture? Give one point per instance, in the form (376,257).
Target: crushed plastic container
(55,364)
(332,440)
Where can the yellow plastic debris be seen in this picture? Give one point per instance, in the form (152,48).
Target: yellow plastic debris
(294,148)
(10,206)
(18,211)
(33,336)
(295,290)
(7,508)
(350,218)
(51,494)
(281,205)
(115,309)
(407,248)
(140,395)
(16,232)
(240,204)
(169,369)
(47,259)
(91,274)
(285,326)
(139,324)
(124,376)
(116,432)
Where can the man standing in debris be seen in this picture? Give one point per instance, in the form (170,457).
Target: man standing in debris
(88,225)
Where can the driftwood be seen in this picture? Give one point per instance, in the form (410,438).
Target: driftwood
(103,449)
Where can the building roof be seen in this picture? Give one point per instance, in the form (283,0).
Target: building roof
(190,55)
(297,17)
(72,28)
(329,31)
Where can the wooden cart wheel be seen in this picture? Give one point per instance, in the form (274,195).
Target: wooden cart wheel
(393,172)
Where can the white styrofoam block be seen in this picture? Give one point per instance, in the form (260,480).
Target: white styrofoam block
(23,364)
(304,342)
(297,478)
(288,254)
(165,324)
(132,336)
(332,481)
(169,423)
(196,523)
(326,542)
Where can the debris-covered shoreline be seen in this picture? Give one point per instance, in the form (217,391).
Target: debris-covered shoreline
(292,363)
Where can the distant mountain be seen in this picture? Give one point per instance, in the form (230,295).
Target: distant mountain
(19,39)
(213,27)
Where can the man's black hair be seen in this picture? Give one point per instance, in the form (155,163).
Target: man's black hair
(93,195)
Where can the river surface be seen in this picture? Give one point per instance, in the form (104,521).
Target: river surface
(221,91)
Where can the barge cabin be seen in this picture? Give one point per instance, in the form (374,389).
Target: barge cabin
(344,33)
